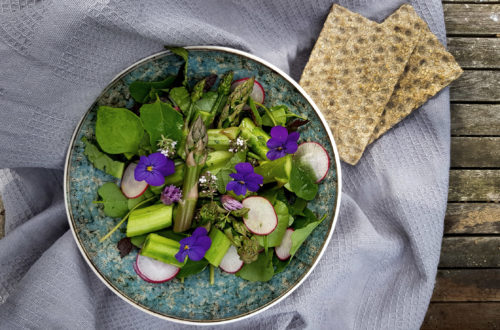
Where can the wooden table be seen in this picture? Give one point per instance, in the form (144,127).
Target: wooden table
(467,293)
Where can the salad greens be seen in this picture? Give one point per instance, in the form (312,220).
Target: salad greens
(210,176)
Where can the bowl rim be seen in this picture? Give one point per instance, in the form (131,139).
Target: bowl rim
(276,300)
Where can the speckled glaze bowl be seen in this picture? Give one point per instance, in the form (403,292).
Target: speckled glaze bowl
(195,301)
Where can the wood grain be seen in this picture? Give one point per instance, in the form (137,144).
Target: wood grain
(476,52)
(467,285)
(474,185)
(475,151)
(472,218)
(475,119)
(483,86)
(472,19)
(451,316)
(470,252)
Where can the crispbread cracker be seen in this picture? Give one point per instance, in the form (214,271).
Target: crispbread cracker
(353,69)
(430,69)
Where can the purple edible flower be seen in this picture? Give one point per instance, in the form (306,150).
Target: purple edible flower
(230,204)
(154,168)
(281,143)
(244,179)
(194,246)
(170,195)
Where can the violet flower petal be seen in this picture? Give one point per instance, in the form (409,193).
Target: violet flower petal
(291,147)
(155,178)
(200,231)
(181,255)
(237,176)
(279,133)
(294,136)
(244,168)
(254,178)
(275,154)
(273,143)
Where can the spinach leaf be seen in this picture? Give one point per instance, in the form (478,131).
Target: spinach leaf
(115,204)
(279,114)
(192,267)
(161,119)
(260,270)
(303,181)
(181,97)
(118,130)
(141,91)
(280,265)
(297,208)
(179,51)
(102,161)
(206,102)
(307,218)
(300,235)
(274,238)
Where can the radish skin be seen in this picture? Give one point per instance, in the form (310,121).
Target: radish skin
(283,251)
(261,218)
(130,187)
(154,271)
(231,263)
(316,156)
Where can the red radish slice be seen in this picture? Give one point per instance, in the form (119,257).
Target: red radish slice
(258,94)
(154,271)
(313,154)
(132,188)
(231,263)
(283,251)
(261,218)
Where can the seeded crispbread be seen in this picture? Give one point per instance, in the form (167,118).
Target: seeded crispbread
(353,69)
(430,69)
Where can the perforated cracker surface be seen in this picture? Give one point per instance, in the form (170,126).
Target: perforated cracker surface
(353,69)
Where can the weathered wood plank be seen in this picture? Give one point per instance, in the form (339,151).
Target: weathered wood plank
(476,86)
(470,252)
(472,19)
(475,151)
(471,1)
(474,186)
(475,119)
(467,285)
(472,218)
(476,52)
(453,316)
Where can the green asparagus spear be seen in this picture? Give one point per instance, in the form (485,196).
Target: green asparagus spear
(223,92)
(196,94)
(255,136)
(196,155)
(219,139)
(236,101)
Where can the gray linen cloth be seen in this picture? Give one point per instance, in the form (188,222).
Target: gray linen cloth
(56,56)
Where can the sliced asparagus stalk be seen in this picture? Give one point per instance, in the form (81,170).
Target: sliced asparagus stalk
(196,155)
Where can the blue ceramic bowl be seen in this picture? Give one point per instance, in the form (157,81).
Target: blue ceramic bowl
(195,301)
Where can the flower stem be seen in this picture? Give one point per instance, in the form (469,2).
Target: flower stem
(267,111)
(125,218)
(212,275)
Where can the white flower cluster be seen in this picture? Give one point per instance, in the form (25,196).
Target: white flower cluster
(167,147)
(237,145)
(208,183)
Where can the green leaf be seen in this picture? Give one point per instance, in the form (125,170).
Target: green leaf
(102,161)
(118,130)
(181,98)
(223,175)
(297,207)
(260,270)
(115,204)
(300,235)
(184,54)
(142,91)
(307,218)
(274,238)
(280,265)
(257,119)
(279,114)
(206,102)
(303,181)
(192,267)
(161,119)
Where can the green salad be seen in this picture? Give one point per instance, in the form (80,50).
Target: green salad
(210,176)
